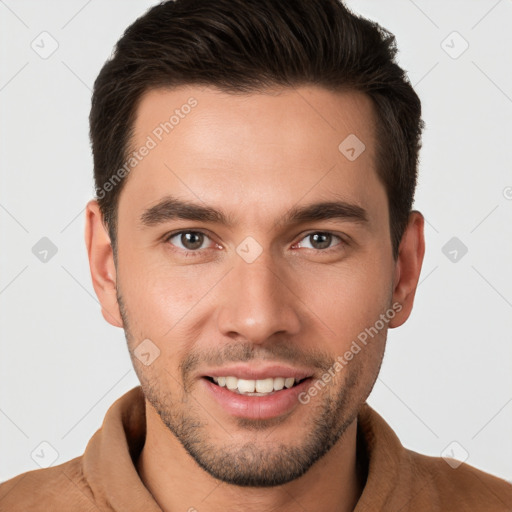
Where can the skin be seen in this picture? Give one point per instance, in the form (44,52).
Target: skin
(254,157)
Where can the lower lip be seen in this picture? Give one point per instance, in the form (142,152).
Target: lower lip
(257,407)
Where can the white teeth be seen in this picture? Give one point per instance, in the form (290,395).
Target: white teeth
(231,383)
(246,386)
(264,385)
(288,383)
(260,386)
(278,383)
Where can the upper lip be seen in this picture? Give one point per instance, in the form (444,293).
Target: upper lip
(251,372)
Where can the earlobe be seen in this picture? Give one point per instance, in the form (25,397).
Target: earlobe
(408,267)
(101,263)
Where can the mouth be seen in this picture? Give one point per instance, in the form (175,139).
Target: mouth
(257,391)
(256,387)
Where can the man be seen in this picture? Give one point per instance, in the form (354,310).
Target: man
(255,166)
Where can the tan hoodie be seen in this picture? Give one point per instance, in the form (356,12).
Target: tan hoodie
(104,478)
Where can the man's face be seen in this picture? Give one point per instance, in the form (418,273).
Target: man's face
(264,296)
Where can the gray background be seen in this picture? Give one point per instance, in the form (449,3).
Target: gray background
(447,373)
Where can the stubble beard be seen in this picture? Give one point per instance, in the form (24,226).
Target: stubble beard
(249,464)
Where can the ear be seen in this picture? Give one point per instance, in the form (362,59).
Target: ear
(408,267)
(101,263)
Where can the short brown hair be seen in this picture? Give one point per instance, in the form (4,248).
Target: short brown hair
(247,46)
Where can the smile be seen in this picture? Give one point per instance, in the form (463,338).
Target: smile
(255,387)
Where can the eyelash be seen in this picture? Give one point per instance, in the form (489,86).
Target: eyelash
(192,253)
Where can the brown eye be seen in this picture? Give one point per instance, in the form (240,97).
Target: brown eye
(320,240)
(188,240)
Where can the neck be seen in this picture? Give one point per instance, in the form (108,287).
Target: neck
(177,483)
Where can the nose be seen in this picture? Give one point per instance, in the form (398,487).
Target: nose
(257,301)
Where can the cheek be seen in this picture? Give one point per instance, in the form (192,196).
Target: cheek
(347,298)
(161,298)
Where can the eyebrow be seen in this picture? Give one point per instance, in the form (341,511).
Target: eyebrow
(171,208)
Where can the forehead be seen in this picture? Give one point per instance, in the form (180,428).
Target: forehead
(258,151)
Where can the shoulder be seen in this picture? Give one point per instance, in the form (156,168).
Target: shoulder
(458,486)
(405,480)
(58,488)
